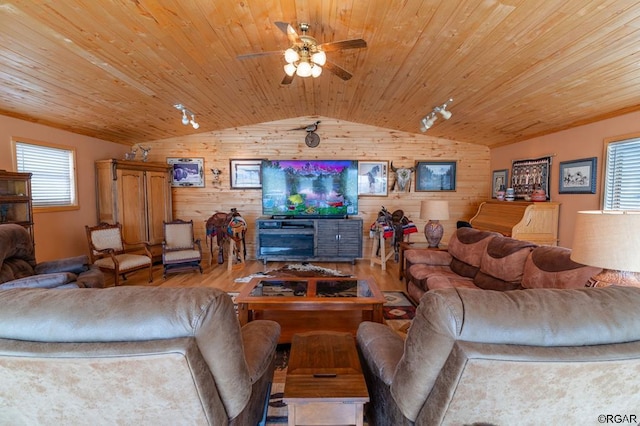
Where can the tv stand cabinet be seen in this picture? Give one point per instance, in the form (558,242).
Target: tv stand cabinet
(320,240)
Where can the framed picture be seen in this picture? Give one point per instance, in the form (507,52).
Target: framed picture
(578,176)
(435,175)
(373,178)
(529,175)
(187,172)
(245,174)
(500,178)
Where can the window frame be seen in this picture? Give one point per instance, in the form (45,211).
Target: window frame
(634,137)
(75,204)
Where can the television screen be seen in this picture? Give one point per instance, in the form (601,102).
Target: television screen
(309,188)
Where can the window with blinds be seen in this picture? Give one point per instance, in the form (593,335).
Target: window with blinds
(622,175)
(53,180)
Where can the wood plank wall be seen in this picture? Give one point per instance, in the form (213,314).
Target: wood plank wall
(339,140)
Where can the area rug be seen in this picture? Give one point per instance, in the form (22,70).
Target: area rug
(398,311)
(398,306)
(295,270)
(277,411)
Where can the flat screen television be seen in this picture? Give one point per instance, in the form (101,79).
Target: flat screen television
(309,188)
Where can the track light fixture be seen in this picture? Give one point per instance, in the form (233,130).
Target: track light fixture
(429,120)
(185,116)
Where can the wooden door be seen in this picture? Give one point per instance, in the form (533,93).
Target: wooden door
(158,193)
(131,210)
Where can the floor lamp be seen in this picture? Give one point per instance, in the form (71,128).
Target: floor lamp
(610,240)
(434,211)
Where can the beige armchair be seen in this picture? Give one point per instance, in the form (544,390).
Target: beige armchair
(132,355)
(545,356)
(180,250)
(111,253)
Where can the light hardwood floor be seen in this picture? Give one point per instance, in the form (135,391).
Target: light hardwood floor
(215,275)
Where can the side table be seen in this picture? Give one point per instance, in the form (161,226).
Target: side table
(324,383)
(406,245)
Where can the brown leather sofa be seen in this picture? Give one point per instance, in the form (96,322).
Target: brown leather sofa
(19,269)
(131,355)
(487,260)
(541,356)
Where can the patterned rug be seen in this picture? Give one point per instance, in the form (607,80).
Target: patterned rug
(398,311)
(295,270)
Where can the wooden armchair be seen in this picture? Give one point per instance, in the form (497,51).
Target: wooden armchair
(111,253)
(180,250)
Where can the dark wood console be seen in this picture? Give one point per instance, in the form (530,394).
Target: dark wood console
(321,240)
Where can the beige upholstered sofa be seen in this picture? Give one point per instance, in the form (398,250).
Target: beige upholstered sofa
(131,355)
(487,260)
(541,356)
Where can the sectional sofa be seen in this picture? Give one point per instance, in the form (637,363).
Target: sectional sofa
(487,260)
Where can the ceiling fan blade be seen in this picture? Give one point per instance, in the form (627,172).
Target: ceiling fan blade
(338,70)
(259,54)
(288,30)
(287,79)
(356,43)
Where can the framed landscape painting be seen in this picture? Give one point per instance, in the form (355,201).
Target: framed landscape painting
(578,176)
(435,175)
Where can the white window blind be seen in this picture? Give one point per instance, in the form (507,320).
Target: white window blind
(53,174)
(622,175)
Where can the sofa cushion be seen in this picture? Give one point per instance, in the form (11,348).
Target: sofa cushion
(552,267)
(428,277)
(467,246)
(77,265)
(502,264)
(41,281)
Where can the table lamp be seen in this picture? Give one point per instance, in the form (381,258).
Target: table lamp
(610,240)
(434,211)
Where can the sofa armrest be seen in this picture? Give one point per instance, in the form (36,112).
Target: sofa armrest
(260,339)
(381,348)
(428,257)
(75,265)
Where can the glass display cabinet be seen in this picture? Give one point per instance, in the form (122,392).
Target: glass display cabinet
(15,199)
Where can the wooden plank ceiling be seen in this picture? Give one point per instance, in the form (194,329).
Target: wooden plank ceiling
(516,69)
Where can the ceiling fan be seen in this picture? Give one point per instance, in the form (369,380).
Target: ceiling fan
(312,139)
(305,57)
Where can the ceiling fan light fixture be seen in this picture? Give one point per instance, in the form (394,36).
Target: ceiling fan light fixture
(304,69)
(316,70)
(319,58)
(185,119)
(290,69)
(291,56)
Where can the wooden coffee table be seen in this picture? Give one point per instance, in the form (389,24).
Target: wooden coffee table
(324,383)
(302,304)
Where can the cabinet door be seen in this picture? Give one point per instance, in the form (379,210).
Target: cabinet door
(350,238)
(158,204)
(327,231)
(131,205)
(339,238)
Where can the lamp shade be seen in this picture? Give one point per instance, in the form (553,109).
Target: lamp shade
(607,239)
(434,210)
(304,69)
